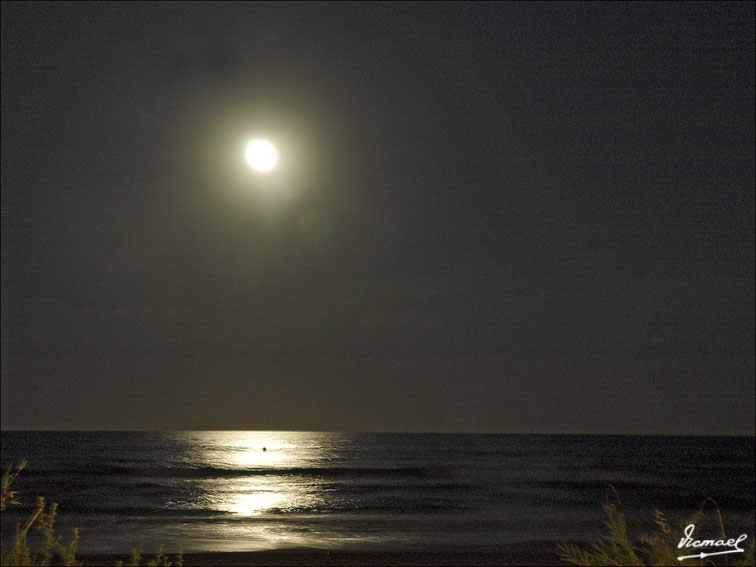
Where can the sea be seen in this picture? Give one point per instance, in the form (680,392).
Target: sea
(258,490)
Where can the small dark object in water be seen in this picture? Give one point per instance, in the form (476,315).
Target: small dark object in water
(265,449)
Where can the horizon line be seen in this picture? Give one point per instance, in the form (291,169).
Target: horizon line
(373,432)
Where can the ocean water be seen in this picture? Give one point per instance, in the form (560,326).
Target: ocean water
(244,491)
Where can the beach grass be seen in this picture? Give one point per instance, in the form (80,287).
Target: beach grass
(51,548)
(660,547)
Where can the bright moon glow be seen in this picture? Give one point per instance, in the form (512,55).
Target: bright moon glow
(261,155)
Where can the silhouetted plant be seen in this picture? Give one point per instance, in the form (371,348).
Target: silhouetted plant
(160,560)
(658,548)
(52,550)
(51,547)
(9,475)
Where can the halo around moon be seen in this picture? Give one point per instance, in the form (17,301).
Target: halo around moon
(261,155)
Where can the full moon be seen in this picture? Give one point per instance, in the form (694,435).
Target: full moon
(261,155)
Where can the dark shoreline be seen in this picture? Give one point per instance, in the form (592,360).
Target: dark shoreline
(523,553)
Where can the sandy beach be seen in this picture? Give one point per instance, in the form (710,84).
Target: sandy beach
(526,553)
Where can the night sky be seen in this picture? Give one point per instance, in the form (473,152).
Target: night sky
(525,218)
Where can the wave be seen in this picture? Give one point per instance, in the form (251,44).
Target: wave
(110,471)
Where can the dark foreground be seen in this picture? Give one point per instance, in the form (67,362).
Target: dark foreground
(533,553)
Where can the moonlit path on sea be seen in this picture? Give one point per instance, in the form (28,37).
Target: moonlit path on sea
(246,491)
